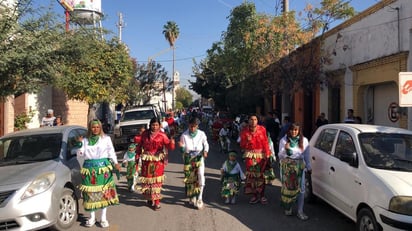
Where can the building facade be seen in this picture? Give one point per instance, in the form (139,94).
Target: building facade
(367,53)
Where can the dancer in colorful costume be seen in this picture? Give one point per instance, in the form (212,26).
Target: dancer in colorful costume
(129,160)
(97,186)
(232,175)
(255,145)
(151,150)
(194,146)
(294,161)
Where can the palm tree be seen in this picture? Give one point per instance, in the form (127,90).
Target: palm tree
(171,33)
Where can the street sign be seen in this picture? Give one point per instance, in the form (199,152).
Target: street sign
(405,89)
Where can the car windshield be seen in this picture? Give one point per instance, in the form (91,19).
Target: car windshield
(138,115)
(27,149)
(387,151)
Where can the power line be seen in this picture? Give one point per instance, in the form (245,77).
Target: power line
(176,60)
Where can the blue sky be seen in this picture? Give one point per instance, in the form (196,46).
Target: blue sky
(201,22)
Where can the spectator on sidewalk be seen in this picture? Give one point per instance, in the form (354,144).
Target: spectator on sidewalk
(48,120)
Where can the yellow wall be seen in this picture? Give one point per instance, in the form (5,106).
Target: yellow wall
(378,71)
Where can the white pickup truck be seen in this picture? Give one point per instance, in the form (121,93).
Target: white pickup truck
(130,123)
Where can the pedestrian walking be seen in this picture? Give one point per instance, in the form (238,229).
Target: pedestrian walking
(231,178)
(255,146)
(98,187)
(193,143)
(152,149)
(294,161)
(129,161)
(224,139)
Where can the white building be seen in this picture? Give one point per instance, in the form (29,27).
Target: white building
(368,51)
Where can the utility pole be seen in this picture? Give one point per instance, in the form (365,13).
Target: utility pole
(120,26)
(173,76)
(285,6)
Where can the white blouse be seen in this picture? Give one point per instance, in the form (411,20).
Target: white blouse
(102,149)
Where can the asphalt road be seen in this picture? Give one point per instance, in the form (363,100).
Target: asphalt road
(176,214)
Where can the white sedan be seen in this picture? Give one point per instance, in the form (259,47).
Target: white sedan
(365,172)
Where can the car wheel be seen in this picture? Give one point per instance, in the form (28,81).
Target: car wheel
(366,221)
(68,210)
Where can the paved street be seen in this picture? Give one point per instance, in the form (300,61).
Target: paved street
(176,214)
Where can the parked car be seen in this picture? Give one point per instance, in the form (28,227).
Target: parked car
(365,172)
(39,175)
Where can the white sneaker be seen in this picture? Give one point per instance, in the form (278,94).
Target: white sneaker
(104,224)
(199,204)
(233,200)
(227,200)
(302,216)
(192,201)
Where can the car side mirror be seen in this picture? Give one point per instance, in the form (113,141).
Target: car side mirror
(350,158)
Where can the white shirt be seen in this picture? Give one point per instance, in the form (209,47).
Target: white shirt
(164,126)
(102,149)
(224,132)
(297,153)
(48,121)
(126,157)
(195,144)
(236,170)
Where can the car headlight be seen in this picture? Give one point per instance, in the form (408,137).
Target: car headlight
(401,205)
(39,185)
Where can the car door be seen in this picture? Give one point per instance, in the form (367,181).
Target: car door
(320,153)
(347,186)
(73,162)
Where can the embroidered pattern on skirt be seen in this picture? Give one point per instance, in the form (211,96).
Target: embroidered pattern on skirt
(230,185)
(152,176)
(291,178)
(98,187)
(190,170)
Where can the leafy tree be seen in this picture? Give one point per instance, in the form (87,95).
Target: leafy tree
(153,80)
(179,105)
(94,70)
(184,97)
(21,120)
(133,90)
(28,39)
(37,51)
(254,41)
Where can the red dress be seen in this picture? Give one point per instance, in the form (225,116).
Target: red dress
(151,150)
(256,153)
(172,125)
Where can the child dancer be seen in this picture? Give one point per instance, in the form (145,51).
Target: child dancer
(130,163)
(232,175)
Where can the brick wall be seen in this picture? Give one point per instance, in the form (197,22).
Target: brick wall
(73,112)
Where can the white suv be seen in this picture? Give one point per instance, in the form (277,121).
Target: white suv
(130,123)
